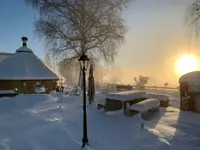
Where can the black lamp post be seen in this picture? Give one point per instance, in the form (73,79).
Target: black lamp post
(84,61)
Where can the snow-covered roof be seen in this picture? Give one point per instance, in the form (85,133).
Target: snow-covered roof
(58,75)
(190,77)
(25,65)
(127,95)
(6,53)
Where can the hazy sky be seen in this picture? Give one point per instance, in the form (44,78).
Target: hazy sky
(157,37)
(155,40)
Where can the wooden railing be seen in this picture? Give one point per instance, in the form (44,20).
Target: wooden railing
(146,87)
(160,87)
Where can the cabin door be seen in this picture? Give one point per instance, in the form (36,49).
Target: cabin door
(184,95)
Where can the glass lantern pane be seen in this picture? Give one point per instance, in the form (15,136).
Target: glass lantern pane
(81,65)
(87,64)
(84,65)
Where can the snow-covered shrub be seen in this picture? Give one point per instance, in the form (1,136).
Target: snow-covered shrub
(73,91)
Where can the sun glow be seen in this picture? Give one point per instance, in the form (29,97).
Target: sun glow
(186,63)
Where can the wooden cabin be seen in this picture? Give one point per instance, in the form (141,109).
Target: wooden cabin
(23,71)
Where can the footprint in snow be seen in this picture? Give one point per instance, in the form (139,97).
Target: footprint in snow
(54,119)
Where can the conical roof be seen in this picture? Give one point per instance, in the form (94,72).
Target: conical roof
(25,65)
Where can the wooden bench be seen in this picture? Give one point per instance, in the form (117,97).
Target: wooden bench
(146,108)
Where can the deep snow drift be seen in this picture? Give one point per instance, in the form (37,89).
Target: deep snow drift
(44,122)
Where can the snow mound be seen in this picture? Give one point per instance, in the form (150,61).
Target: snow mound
(145,105)
(73,91)
(40,90)
(31,100)
(127,95)
(161,97)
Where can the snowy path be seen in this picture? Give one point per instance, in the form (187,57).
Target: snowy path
(45,126)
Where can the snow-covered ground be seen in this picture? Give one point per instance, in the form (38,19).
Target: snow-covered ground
(54,122)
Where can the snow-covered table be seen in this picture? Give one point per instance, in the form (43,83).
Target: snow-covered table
(117,101)
(126,95)
(163,98)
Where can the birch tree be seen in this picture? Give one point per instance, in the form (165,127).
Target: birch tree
(193,17)
(47,61)
(74,27)
(69,70)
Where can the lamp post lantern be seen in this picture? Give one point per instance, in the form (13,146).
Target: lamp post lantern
(84,61)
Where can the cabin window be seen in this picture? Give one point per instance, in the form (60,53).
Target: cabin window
(24,84)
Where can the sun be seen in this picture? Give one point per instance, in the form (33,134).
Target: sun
(186,63)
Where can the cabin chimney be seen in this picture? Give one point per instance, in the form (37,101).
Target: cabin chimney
(24,41)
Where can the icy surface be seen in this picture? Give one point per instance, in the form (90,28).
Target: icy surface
(45,122)
(127,95)
(145,105)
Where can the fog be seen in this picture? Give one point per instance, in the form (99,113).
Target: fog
(157,36)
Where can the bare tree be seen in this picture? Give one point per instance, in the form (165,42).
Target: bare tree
(141,81)
(47,61)
(193,17)
(114,81)
(74,27)
(99,72)
(69,70)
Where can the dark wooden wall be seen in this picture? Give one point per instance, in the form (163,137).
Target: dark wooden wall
(29,87)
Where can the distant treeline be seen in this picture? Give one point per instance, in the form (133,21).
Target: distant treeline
(130,87)
(123,86)
(160,87)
